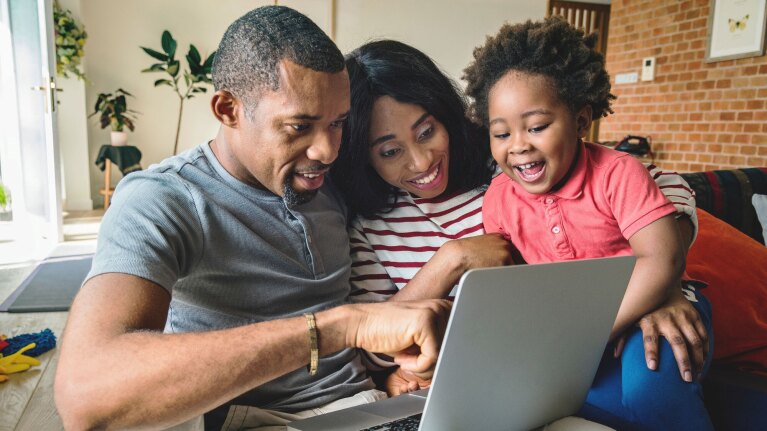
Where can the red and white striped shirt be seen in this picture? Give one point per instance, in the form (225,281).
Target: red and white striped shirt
(388,249)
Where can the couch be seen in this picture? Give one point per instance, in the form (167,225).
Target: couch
(736,398)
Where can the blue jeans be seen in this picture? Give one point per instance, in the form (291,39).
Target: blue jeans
(626,395)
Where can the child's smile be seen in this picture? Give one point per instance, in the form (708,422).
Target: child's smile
(533,134)
(530,172)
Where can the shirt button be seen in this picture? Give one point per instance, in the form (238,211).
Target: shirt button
(556,229)
(549,200)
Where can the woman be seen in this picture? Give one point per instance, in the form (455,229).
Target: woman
(414,170)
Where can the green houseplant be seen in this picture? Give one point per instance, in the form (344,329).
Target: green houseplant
(5,203)
(70,42)
(194,78)
(113,112)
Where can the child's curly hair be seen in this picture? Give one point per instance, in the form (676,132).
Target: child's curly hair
(552,48)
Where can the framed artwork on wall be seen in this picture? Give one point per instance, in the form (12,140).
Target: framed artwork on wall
(736,29)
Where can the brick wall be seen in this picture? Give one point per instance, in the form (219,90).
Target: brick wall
(701,116)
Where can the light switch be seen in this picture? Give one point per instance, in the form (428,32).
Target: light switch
(648,69)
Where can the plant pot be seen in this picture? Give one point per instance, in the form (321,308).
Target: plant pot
(119,139)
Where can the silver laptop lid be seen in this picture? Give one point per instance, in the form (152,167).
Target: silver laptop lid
(523,343)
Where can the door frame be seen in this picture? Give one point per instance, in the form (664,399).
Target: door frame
(29,226)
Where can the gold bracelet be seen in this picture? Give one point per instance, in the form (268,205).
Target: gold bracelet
(313,350)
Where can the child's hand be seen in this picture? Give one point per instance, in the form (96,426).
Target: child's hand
(400,382)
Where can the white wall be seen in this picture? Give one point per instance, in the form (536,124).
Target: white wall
(73,136)
(447,31)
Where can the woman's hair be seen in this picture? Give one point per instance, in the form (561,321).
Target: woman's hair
(391,68)
(551,48)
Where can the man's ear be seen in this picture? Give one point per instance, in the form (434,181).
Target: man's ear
(583,120)
(224,106)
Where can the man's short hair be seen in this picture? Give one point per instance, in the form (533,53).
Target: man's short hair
(247,58)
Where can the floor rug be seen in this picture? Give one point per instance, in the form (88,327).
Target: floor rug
(51,286)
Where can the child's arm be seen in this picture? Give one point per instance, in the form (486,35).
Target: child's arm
(660,255)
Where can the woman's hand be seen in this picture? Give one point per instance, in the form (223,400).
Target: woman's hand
(481,251)
(401,382)
(438,276)
(679,322)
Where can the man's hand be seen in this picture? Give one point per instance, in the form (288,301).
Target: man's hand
(409,331)
(400,382)
(679,322)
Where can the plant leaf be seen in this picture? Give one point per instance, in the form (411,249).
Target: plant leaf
(157,67)
(168,44)
(157,55)
(209,62)
(162,82)
(173,68)
(194,55)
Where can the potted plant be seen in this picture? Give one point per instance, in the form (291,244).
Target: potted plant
(113,112)
(70,42)
(5,203)
(195,77)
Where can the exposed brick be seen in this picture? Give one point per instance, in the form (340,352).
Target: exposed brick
(737,160)
(745,116)
(748,150)
(702,116)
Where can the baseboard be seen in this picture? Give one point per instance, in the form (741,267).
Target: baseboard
(78,205)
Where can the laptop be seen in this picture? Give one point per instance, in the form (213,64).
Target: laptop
(521,350)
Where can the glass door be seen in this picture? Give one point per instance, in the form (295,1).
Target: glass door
(33,171)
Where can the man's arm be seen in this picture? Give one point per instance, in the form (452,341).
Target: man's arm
(114,341)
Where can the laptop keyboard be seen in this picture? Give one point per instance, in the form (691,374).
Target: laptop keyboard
(409,423)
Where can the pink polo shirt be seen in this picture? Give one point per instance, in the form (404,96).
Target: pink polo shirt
(608,198)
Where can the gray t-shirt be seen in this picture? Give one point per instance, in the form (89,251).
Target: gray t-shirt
(231,255)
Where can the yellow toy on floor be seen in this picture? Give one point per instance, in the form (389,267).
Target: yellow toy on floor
(16,362)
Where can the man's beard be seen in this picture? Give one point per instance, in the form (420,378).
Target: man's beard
(292,197)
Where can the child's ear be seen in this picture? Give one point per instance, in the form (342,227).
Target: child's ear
(583,120)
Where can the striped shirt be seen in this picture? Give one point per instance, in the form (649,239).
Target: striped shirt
(388,249)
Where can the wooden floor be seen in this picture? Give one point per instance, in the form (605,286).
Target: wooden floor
(26,399)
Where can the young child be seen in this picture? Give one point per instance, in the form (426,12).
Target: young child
(537,87)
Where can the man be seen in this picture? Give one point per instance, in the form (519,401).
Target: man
(213,266)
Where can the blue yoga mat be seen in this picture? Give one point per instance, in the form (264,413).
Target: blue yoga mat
(51,286)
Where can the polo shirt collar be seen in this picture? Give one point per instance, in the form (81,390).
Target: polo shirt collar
(573,188)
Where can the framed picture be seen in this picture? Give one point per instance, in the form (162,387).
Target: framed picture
(736,29)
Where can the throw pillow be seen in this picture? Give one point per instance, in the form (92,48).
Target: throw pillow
(735,267)
(760,205)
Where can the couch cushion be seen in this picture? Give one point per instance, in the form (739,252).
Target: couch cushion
(760,205)
(727,195)
(735,266)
